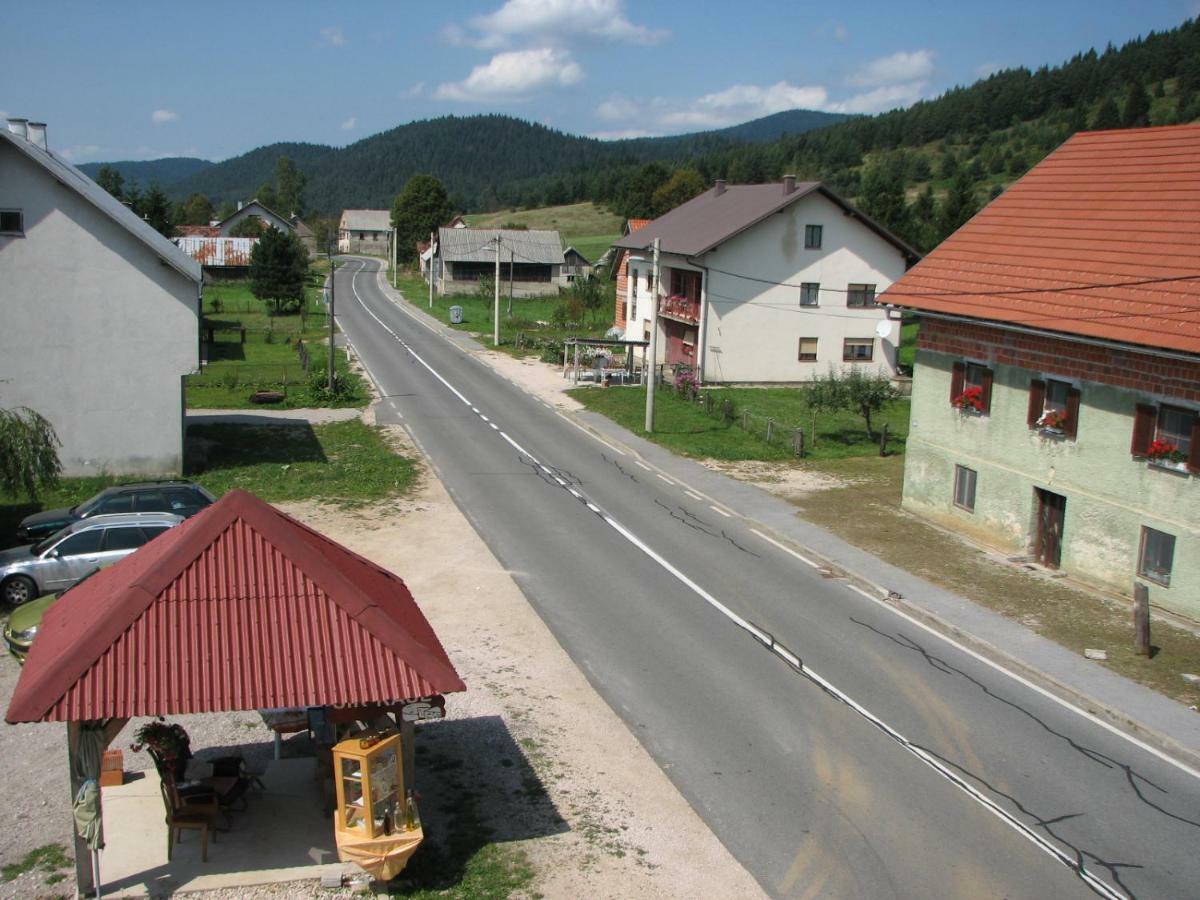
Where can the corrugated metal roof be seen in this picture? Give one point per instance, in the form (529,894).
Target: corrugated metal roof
(71,177)
(366,220)
(695,227)
(198,231)
(1101,239)
(476,245)
(218,251)
(241,607)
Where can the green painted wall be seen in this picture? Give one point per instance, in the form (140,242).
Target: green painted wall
(1110,495)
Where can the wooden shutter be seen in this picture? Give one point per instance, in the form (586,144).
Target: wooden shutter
(987,390)
(1037,402)
(1144,420)
(1194,454)
(1071,426)
(957,377)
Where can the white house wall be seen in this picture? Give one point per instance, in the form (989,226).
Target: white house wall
(754,328)
(98,330)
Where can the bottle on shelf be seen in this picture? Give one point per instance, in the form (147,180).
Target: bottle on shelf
(412,819)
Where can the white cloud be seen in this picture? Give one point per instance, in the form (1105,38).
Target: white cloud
(881,99)
(563,19)
(333,36)
(416,90)
(617,109)
(898,68)
(743,102)
(77,152)
(514,75)
(841,33)
(350,124)
(623,134)
(987,69)
(159,116)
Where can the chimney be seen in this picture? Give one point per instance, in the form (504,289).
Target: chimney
(240,205)
(18,127)
(789,184)
(718,187)
(37,134)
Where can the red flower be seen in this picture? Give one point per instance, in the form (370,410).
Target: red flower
(1160,449)
(970,398)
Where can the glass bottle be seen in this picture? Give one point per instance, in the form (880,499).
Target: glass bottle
(412,819)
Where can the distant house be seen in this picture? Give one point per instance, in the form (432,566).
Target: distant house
(619,272)
(101,315)
(365,231)
(765,283)
(575,265)
(531,260)
(1056,392)
(254,210)
(220,257)
(307,237)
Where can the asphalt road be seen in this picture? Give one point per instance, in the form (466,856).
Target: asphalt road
(887,764)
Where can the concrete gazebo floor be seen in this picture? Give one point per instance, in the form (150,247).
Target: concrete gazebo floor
(283,835)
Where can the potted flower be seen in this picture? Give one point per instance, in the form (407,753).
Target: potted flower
(1164,453)
(1052,420)
(167,743)
(970,399)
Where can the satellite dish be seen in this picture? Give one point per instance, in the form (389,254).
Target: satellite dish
(883,328)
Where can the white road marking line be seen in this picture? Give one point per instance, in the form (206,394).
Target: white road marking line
(694,496)
(718,509)
(642,464)
(591,434)
(1020,679)
(785,549)
(663,477)
(769,642)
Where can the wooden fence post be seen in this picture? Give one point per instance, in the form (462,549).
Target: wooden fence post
(745,420)
(1141,618)
(770,428)
(883,436)
(798,442)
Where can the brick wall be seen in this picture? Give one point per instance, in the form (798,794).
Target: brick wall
(1064,357)
(622,287)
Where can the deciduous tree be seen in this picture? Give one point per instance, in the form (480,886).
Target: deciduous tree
(423,206)
(28,452)
(682,186)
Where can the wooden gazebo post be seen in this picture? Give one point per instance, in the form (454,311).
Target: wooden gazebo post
(83,853)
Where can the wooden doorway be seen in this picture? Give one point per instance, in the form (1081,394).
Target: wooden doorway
(1051,514)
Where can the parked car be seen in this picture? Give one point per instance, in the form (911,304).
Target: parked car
(63,558)
(22,625)
(184,498)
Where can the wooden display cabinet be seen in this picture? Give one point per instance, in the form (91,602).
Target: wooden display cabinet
(370,787)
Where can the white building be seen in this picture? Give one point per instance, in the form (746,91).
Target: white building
(766,283)
(365,231)
(101,315)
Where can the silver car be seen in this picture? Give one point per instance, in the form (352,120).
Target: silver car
(66,556)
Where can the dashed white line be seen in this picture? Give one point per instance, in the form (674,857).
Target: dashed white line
(693,495)
(642,464)
(718,509)
(663,477)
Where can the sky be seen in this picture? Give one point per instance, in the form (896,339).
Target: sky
(144,80)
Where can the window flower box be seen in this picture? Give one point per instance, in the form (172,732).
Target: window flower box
(1165,455)
(970,400)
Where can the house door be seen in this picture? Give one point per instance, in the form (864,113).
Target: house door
(1052,511)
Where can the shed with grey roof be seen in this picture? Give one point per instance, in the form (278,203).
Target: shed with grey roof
(365,231)
(531,262)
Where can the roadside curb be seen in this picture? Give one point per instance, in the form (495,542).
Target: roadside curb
(1111,715)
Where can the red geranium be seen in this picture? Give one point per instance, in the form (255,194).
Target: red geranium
(1160,449)
(970,398)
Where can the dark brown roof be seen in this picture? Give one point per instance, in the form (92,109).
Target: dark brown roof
(712,218)
(239,608)
(1101,240)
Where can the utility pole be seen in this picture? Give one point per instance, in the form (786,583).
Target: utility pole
(496,304)
(652,358)
(511,259)
(395,242)
(432,256)
(332,290)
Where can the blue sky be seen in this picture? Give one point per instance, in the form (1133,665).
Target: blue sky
(140,80)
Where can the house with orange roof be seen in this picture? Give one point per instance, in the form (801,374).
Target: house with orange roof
(1056,392)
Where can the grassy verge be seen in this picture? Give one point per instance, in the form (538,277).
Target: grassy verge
(1070,617)
(527,330)
(51,859)
(685,428)
(269,358)
(346,463)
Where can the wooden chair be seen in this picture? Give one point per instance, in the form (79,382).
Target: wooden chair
(195,814)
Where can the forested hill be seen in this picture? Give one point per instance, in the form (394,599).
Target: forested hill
(485,161)
(163,172)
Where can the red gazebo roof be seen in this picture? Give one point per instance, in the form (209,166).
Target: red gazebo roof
(241,607)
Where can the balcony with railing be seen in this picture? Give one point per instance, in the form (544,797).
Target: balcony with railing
(681,308)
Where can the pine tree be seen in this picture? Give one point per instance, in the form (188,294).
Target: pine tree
(421,207)
(111,180)
(961,203)
(278,269)
(1137,106)
(1107,116)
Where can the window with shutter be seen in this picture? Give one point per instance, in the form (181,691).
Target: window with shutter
(1144,418)
(1037,402)
(971,387)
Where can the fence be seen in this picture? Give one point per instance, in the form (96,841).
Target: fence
(766,428)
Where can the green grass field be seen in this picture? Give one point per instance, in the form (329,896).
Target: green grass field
(685,428)
(269,358)
(589,228)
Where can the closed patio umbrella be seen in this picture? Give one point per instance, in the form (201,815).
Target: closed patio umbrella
(89,820)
